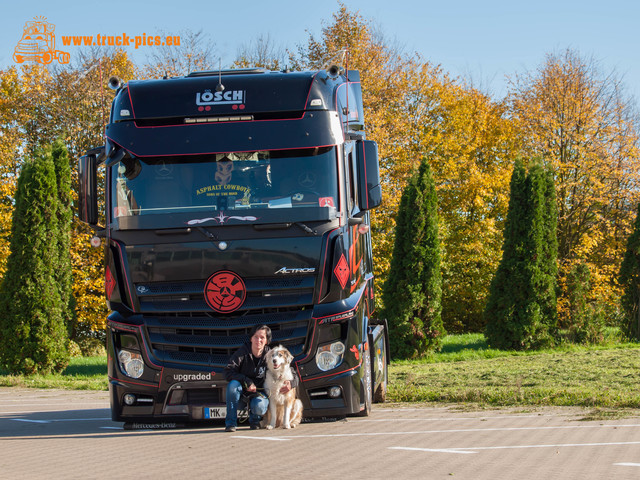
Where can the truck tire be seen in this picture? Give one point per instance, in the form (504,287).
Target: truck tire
(380,395)
(366,385)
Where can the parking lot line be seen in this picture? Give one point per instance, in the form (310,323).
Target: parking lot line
(504,447)
(463,430)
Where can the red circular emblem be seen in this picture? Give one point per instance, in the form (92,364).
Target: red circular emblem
(225,292)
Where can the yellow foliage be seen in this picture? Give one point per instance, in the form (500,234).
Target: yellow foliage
(577,120)
(36,107)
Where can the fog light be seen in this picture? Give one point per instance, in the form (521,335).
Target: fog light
(131,363)
(334,392)
(329,356)
(129,399)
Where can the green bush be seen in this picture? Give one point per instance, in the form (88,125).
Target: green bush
(92,347)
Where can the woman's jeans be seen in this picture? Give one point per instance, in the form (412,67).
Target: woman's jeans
(257,405)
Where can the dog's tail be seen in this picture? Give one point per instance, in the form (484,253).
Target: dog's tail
(296,413)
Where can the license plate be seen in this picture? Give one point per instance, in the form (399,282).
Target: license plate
(215,412)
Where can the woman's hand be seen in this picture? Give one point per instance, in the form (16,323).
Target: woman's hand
(251,388)
(285,387)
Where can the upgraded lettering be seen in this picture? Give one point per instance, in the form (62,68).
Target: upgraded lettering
(186,377)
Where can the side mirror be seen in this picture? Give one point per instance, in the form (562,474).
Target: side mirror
(369,189)
(88,189)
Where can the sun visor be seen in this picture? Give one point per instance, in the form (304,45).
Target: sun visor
(313,129)
(194,96)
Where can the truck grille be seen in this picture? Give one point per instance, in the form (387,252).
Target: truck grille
(181,328)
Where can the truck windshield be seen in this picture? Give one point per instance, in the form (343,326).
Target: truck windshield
(228,181)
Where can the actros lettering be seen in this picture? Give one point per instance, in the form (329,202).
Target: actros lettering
(286,270)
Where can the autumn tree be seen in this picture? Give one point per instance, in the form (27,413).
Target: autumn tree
(33,335)
(261,52)
(578,119)
(196,52)
(37,106)
(521,310)
(413,291)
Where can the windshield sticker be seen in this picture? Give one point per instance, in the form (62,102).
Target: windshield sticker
(223,190)
(222,218)
(326,202)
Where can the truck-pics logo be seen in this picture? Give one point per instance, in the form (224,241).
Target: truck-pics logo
(208,98)
(38,44)
(225,292)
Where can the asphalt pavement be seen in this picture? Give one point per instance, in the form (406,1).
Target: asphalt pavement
(69,434)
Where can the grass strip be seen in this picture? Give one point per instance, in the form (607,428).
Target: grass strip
(589,377)
(83,373)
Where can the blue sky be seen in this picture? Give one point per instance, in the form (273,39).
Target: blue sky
(482,39)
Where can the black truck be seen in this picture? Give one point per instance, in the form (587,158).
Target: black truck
(235,198)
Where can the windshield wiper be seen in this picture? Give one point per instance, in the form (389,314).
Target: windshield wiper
(208,234)
(278,226)
(305,228)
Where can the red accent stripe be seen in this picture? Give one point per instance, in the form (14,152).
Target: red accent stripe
(313,79)
(131,102)
(135,383)
(144,341)
(335,373)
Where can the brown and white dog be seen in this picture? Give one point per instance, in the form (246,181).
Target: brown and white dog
(285,410)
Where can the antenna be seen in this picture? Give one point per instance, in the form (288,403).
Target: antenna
(220,86)
(337,57)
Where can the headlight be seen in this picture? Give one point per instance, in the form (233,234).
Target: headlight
(329,356)
(131,363)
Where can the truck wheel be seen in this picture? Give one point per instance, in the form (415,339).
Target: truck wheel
(366,384)
(380,395)
(46,58)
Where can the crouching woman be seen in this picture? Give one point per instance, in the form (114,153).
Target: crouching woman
(245,373)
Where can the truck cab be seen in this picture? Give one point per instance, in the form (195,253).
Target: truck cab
(233,199)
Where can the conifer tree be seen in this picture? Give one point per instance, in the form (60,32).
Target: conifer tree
(33,336)
(521,310)
(413,291)
(630,281)
(65,216)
